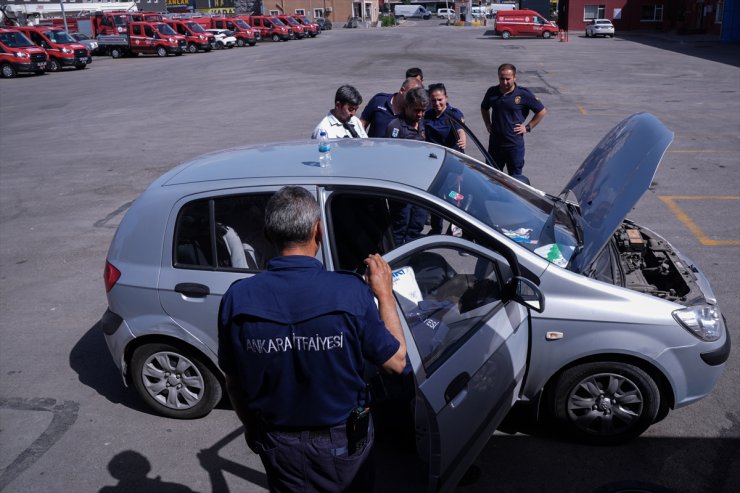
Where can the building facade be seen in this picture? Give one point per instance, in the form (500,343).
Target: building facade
(681,16)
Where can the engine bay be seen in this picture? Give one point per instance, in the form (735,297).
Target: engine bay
(649,264)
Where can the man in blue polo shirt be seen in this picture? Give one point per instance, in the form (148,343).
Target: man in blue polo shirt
(384,107)
(292,344)
(504,109)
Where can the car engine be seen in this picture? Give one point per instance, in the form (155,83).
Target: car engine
(650,265)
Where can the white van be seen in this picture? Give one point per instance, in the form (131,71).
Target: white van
(403,11)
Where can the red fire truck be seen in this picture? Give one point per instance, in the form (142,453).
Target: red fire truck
(63,49)
(155,38)
(19,54)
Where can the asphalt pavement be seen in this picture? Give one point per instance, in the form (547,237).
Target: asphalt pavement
(76,148)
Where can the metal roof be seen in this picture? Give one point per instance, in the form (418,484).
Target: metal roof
(402,161)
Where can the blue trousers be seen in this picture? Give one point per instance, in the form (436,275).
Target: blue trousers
(408,220)
(510,157)
(315,461)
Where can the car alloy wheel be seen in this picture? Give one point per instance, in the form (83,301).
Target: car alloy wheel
(192,48)
(506,34)
(275,37)
(240,42)
(116,53)
(54,65)
(174,381)
(546,35)
(604,403)
(161,51)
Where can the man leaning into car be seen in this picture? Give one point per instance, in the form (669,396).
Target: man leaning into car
(292,344)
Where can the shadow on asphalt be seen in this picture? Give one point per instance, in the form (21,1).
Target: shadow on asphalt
(708,49)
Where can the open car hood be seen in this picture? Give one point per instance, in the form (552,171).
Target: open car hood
(612,179)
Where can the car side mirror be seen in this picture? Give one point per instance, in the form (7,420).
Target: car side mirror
(527,293)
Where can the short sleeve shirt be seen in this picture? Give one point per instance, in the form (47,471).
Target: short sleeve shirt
(441,129)
(295,337)
(378,113)
(506,111)
(399,129)
(337,130)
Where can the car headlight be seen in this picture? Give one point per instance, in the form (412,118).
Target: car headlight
(66,50)
(202,37)
(704,321)
(171,40)
(20,54)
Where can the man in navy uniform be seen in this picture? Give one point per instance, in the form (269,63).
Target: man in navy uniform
(383,108)
(291,343)
(409,219)
(504,109)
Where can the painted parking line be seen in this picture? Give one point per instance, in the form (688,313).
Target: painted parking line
(672,202)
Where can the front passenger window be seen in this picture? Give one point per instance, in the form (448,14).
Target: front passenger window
(446,294)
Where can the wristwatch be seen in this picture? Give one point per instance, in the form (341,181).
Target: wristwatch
(528,128)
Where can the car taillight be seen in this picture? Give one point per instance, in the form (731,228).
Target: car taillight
(110,276)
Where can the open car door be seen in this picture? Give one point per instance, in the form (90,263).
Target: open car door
(467,342)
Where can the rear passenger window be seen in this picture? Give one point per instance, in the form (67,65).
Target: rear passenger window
(225,233)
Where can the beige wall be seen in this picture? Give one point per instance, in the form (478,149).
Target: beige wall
(341,10)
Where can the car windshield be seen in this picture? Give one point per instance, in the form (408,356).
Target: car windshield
(79,36)
(120,20)
(542,224)
(165,29)
(195,27)
(59,37)
(306,19)
(242,24)
(276,21)
(290,20)
(15,40)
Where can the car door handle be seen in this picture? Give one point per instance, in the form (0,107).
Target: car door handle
(457,390)
(192,289)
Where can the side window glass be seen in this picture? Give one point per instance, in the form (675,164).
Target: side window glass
(240,238)
(136,30)
(193,245)
(446,294)
(148,32)
(235,239)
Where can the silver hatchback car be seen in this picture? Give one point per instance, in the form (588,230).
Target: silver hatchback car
(523,298)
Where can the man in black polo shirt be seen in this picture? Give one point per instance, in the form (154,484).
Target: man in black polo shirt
(504,109)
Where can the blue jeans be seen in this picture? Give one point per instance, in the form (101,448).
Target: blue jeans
(315,461)
(510,157)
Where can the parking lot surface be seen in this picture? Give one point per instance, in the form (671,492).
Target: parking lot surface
(78,147)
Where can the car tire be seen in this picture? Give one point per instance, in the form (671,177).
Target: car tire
(81,67)
(8,71)
(252,43)
(174,381)
(192,48)
(54,65)
(275,38)
(546,34)
(116,53)
(604,403)
(506,34)
(161,51)
(240,42)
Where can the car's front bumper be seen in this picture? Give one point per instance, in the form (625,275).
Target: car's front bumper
(29,66)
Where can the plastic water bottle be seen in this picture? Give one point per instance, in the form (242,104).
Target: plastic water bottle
(324,150)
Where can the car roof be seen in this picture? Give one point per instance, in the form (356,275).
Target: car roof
(406,162)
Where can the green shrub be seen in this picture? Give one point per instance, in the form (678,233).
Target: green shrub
(388,20)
